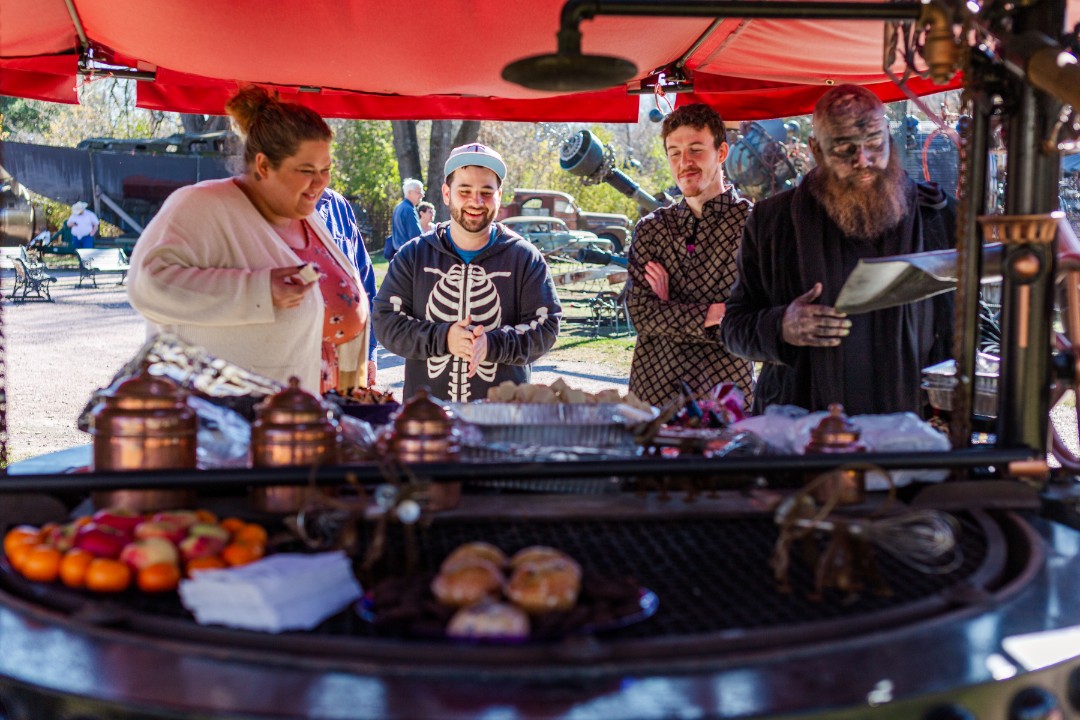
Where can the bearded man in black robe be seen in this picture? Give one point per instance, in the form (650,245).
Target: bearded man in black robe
(797,249)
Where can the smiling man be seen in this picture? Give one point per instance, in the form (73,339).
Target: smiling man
(471,304)
(799,247)
(682,266)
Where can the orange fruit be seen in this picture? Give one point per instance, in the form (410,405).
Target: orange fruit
(41,564)
(251,533)
(21,535)
(73,567)
(18,554)
(159,577)
(242,553)
(206,516)
(232,524)
(210,562)
(105,575)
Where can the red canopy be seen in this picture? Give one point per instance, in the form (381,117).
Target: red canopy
(387,59)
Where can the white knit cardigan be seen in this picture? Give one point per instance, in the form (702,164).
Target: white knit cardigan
(201,270)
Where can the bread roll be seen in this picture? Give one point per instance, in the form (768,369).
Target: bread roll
(489,619)
(545,586)
(467,582)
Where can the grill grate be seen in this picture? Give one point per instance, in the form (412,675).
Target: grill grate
(711,575)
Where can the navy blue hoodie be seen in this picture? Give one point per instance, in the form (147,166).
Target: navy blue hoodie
(506,288)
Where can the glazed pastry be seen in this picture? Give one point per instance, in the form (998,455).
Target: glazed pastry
(489,619)
(535,553)
(481,550)
(467,582)
(545,585)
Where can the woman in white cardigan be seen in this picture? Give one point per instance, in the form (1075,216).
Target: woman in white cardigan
(219,265)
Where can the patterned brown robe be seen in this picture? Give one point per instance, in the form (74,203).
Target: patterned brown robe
(673,342)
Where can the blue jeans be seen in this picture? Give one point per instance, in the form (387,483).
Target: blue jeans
(83,242)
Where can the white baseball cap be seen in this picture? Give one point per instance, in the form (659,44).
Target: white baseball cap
(475,154)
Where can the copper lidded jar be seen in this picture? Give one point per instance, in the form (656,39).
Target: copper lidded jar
(292,429)
(424,432)
(144,423)
(837,435)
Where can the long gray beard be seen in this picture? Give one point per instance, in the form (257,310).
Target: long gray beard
(864,212)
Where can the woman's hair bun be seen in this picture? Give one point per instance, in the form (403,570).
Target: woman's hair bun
(246,105)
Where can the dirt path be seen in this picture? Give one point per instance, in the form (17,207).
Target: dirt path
(58,353)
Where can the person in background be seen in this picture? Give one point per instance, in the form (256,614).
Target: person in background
(426,212)
(682,267)
(798,248)
(340,220)
(83,224)
(224,263)
(405,224)
(470,304)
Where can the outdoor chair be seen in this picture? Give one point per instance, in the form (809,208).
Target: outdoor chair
(107,261)
(607,310)
(31,278)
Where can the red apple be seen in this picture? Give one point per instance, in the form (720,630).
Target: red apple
(150,551)
(61,537)
(209,530)
(199,546)
(160,528)
(180,518)
(120,518)
(100,540)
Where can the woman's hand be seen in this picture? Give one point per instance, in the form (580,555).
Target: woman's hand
(657,277)
(286,289)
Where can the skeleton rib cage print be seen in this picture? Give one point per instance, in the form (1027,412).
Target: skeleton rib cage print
(465,290)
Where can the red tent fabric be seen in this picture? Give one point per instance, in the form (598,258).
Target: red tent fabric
(387,59)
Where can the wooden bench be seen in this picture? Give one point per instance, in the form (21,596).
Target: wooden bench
(31,277)
(107,261)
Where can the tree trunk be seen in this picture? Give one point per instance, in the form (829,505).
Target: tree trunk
(407,149)
(468,132)
(438,150)
(204,123)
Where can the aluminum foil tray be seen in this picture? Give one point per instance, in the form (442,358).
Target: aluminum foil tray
(939,381)
(529,425)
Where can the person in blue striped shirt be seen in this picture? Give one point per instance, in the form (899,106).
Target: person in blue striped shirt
(340,220)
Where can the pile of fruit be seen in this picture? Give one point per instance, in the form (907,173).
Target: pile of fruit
(113,549)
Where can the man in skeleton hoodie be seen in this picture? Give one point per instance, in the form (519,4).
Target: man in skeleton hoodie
(469,304)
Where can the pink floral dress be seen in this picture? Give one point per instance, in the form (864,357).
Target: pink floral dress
(341,298)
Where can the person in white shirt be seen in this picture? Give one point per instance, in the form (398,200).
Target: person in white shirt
(83,224)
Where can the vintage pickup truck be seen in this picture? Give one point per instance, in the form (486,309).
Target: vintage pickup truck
(610,226)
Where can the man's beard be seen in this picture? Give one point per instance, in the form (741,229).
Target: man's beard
(863,211)
(471,224)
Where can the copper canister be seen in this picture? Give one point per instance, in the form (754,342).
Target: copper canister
(837,435)
(424,432)
(144,423)
(291,429)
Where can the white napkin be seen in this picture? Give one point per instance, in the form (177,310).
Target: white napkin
(280,592)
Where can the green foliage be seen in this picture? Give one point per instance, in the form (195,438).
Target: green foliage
(24,118)
(365,165)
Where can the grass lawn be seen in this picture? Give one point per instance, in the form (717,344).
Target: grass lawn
(577,340)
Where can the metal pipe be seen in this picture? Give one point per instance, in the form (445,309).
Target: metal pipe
(574,11)
(737,470)
(969,245)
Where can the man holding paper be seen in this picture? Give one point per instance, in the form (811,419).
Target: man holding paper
(798,247)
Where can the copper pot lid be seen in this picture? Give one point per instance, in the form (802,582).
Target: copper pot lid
(292,406)
(144,392)
(835,429)
(423,416)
